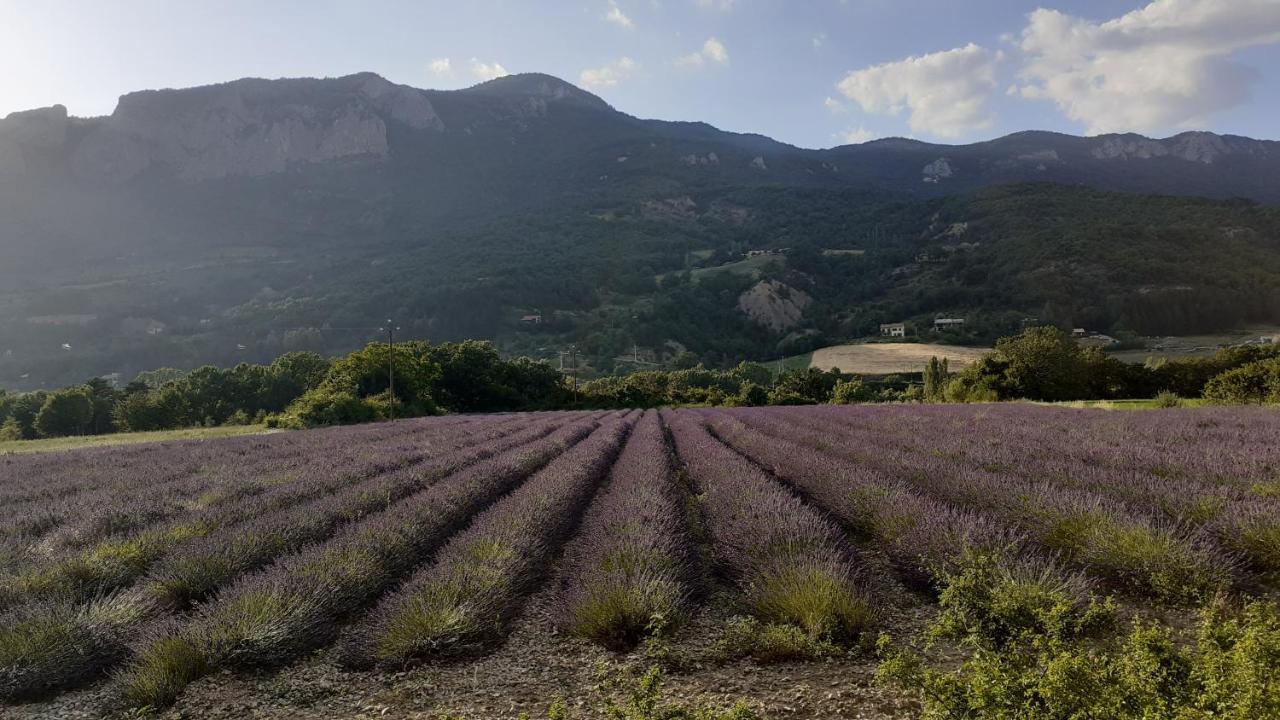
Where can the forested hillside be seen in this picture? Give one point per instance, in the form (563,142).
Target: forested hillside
(241,221)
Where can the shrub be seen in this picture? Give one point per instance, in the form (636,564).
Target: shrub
(1227,670)
(325,406)
(1168,399)
(847,392)
(994,601)
(751,395)
(10,430)
(770,642)
(1257,382)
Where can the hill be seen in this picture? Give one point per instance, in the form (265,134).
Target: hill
(238,221)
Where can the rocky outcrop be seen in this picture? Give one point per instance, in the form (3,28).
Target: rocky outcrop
(775,305)
(694,160)
(1199,147)
(24,136)
(1129,147)
(249,127)
(937,170)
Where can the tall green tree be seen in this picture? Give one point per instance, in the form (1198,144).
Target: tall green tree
(935,378)
(66,412)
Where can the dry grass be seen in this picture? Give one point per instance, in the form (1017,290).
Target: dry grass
(889,358)
(83,441)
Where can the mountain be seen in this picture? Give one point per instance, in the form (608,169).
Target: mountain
(239,220)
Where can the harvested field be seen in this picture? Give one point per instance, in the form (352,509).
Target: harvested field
(890,358)
(488,566)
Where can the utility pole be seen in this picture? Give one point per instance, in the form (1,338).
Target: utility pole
(391,367)
(573,363)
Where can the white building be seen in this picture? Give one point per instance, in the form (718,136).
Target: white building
(893,329)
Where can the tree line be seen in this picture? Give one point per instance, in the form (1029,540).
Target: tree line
(303,389)
(298,389)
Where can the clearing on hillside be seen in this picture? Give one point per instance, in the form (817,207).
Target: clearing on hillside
(889,358)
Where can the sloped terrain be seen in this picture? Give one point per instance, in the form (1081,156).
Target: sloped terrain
(239,221)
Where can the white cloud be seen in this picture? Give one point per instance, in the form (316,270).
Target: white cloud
(487,71)
(441,66)
(855,136)
(818,40)
(609,75)
(1163,66)
(617,17)
(723,5)
(833,105)
(945,92)
(712,51)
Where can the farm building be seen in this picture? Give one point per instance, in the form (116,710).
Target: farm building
(1079,333)
(948,324)
(535,319)
(893,329)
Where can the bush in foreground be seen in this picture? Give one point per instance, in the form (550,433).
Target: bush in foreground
(1227,670)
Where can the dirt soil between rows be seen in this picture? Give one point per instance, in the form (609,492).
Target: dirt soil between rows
(536,666)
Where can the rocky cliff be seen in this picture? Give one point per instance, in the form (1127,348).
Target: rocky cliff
(243,128)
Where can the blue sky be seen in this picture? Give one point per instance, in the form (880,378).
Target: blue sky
(814,73)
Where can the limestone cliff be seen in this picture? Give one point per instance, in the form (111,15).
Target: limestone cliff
(249,127)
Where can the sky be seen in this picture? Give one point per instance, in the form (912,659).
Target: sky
(814,73)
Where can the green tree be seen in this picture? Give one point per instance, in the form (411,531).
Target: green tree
(753,373)
(23,410)
(66,412)
(751,395)
(935,378)
(104,398)
(159,376)
(1257,382)
(10,430)
(847,392)
(357,388)
(162,409)
(805,386)
(367,372)
(472,378)
(1042,363)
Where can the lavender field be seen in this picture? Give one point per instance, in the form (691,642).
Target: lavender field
(137,571)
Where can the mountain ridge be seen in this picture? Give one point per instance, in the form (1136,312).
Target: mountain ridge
(263,214)
(326,119)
